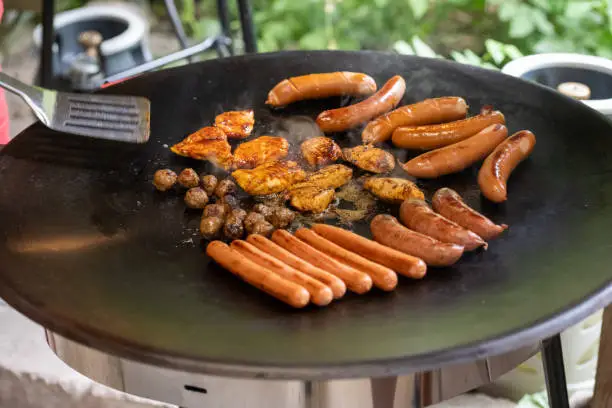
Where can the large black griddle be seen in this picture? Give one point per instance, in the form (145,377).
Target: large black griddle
(90,250)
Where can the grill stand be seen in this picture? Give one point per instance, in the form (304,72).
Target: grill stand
(554,370)
(190,390)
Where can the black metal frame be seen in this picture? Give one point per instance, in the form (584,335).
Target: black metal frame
(554,371)
(222,44)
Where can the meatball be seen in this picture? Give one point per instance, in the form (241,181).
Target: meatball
(230,201)
(209,184)
(196,198)
(239,213)
(164,179)
(215,210)
(281,217)
(263,209)
(251,219)
(210,226)
(234,228)
(224,188)
(263,228)
(188,178)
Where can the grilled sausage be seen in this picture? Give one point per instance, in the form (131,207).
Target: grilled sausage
(382,277)
(400,262)
(387,230)
(458,156)
(196,197)
(225,187)
(336,284)
(320,294)
(315,86)
(262,278)
(427,112)
(234,227)
(419,217)
(251,219)
(164,179)
(355,280)
(496,169)
(434,136)
(341,119)
(281,217)
(449,204)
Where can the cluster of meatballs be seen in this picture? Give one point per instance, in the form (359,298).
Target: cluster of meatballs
(224,216)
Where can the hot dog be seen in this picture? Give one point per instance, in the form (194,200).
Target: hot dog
(449,204)
(458,156)
(496,169)
(320,294)
(383,277)
(324,85)
(341,119)
(400,262)
(355,280)
(419,217)
(336,284)
(427,112)
(434,136)
(262,278)
(387,230)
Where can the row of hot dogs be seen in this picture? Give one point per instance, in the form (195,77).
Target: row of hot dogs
(438,124)
(318,265)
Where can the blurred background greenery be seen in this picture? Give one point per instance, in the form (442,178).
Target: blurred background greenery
(482,32)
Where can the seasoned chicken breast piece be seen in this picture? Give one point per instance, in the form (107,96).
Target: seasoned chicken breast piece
(312,198)
(333,176)
(208,143)
(370,158)
(236,124)
(393,190)
(259,151)
(269,178)
(320,151)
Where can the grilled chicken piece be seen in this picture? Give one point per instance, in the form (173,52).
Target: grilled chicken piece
(370,158)
(208,143)
(320,151)
(236,124)
(316,192)
(333,176)
(393,190)
(312,198)
(269,178)
(258,151)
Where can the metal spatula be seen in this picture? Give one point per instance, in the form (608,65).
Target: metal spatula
(120,118)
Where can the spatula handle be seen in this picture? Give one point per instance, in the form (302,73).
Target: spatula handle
(31,95)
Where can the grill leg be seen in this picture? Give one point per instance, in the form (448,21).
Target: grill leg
(554,372)
(177,25)
(46,52)
(248,29)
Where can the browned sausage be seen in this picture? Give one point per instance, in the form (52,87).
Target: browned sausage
(400,262)
(355,280)
(496,169)
(324,85)
(383,277)
(336,285)
(387,230)
(427,112)
(434,136)
(449,204)
(419,217)
(458,156)
(262,278)
(320,294)
(341,119)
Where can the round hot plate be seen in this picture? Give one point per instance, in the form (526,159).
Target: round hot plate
(91,250)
